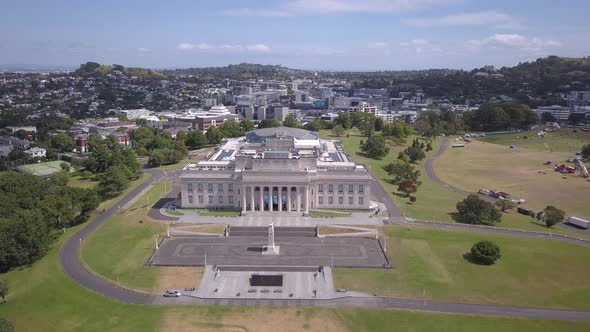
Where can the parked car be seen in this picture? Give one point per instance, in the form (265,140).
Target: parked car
(172,293)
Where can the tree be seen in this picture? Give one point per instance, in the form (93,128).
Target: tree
(429,124)
(246,125)
(378,124)
(269,123)
(63,142)
(402,171)
(398,129)
(196,139)
(113,181)
(576,118)
(485,252)
(586,151)
(160,157)
(338,130)
(552,216)
(476,211)
(407,187)
(375,147)
(214,135)
(504,204)
(65,167)
(6,325)
(415,154)
(547,117)
(231,129)
(3,289)
(344,120)
(290,121)
(366,123)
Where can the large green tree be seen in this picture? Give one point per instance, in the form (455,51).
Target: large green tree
(196,139)
(214,135)
(269,123)
(63,142)
(474,210)
(375,147)
(290,121)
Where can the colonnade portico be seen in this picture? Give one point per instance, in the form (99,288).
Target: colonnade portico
(288,198)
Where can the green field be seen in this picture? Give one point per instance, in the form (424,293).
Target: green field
(42,298)
(429,264)
(434,202)
(102,250)
(521,171)
(42,169)
(563,140)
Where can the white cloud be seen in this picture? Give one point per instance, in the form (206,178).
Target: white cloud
(494,18)
(143,50)
(204,47)
(317,7)
(376,45)
(514,41)
(421,46)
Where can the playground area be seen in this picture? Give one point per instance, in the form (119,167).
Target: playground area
(523,171)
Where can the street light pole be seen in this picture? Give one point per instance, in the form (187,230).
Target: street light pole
(157,246)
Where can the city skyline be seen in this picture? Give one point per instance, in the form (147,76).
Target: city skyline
(320,34)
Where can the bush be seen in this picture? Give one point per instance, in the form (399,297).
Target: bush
(485,252)
(412,199)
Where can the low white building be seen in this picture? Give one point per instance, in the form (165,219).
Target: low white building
(36,152)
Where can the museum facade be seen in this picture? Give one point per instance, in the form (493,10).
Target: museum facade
(276,169)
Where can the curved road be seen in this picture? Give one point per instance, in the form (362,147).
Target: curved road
(73,268)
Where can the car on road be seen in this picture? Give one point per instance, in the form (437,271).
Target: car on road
(172,293)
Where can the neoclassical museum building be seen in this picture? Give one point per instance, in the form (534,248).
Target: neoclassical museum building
(276,170)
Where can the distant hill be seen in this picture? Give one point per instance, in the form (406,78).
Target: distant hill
(242,70)
(95,69)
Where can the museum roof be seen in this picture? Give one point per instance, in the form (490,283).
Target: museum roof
(260,135)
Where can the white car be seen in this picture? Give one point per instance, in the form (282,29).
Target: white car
(172,293)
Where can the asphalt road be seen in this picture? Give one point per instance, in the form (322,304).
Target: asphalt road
(73,268)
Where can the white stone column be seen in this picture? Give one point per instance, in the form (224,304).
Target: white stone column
(270,197)
(306,202)
(298,199)
(244,192)
(261,198)
(252,199)
(280,193)
(289,198)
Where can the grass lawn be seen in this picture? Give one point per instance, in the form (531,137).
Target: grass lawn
(76,181)
(102,251)
(519,172)
(564,140)
(434,202)
(327,214)
(42,298)
(219,213)
(430,264)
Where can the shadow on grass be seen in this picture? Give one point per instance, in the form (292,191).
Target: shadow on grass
(468,257)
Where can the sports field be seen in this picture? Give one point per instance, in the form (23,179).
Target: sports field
(42,169)
(521,171)
(429,264)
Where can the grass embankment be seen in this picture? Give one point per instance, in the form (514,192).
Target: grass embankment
(102,251)
(327,214)
(433,201)
(430,264)
(520,171)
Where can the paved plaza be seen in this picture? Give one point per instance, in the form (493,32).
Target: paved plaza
(295,251)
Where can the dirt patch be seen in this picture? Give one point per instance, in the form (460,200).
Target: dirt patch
(259,320)
(179,277)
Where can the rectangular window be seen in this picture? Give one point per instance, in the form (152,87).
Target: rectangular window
(340,200)
(190,187)
(320,200)
(361,200)
(230,199)
(220,187)
(220,199)
(210,187)
(340,188)
(361,188)
(190,198)
(200,187)
(350,200)
(201,199)
(330,200)
(350,188)
(230,187)
(320,188)
(330,188)
(210,199)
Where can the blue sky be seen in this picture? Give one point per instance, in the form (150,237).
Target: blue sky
(311,34)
